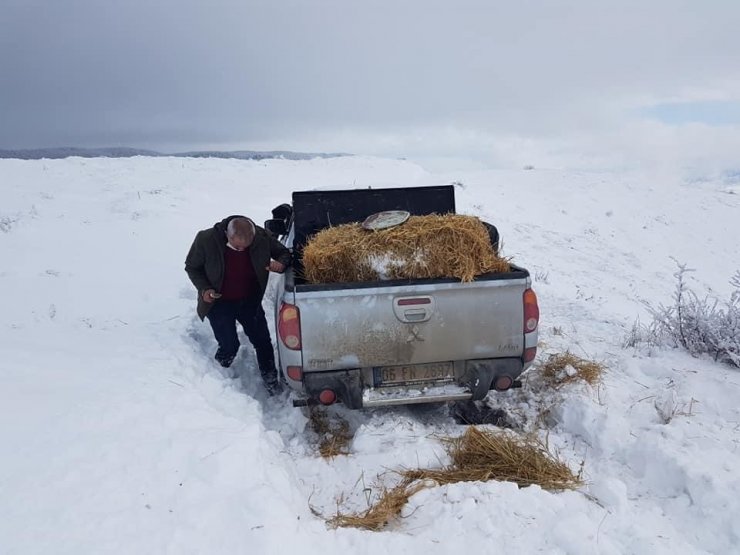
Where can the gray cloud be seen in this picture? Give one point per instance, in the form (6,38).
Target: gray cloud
(191,74)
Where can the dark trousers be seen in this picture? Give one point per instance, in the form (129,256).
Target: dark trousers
(223,318)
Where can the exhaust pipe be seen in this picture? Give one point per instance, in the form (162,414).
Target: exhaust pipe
(310,402)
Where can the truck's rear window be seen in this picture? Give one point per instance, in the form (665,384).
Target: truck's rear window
(316,210)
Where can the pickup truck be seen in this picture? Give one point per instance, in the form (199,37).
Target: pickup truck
(395,342)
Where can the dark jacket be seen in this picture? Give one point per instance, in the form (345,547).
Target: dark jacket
(205,261)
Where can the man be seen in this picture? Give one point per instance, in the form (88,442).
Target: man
(229,265)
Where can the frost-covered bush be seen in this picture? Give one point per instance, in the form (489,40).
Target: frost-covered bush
(701,325)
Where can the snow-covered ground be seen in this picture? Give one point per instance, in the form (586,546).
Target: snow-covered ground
(119,434)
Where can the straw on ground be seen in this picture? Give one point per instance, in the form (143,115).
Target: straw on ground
(477,455)
(480,455)
(334,434)
(565,368)
(388,506)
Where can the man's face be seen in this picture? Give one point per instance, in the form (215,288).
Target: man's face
(240,243)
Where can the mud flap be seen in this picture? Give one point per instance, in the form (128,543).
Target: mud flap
(347,384)
(478,377)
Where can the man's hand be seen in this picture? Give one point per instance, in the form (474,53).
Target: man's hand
(275,266)
(210,295)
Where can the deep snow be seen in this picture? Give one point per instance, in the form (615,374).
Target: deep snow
(118,433)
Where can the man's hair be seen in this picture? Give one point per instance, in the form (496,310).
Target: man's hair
(240,227)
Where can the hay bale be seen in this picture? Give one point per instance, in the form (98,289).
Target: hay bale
(432,246)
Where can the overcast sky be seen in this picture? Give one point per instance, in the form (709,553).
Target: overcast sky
(507,82)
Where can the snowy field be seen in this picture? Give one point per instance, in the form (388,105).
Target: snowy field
(119,434)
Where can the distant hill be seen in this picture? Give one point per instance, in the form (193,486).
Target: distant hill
(123,152)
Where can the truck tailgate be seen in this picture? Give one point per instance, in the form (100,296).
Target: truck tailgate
(411,324)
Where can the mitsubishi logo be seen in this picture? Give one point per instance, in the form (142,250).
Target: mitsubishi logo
(414,335)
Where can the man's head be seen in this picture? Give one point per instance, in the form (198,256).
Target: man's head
(240,233)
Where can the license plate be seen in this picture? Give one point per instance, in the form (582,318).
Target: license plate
(413,373)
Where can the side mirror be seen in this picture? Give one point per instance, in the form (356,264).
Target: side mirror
(282,212)
(493,236)
(276,227)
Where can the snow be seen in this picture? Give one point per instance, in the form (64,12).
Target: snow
(119,434)
(389,394)
(384,265)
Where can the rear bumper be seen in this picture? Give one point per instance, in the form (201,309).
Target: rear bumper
(355,388)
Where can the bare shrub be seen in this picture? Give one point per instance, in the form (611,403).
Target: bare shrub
(700,325)
(735,282)
(668,406)
(542,275)
(7,223)
(640,334)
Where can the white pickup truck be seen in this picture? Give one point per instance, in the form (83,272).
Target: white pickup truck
(396,342)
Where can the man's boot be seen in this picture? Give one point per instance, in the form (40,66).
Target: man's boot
(224,359)
(270,379)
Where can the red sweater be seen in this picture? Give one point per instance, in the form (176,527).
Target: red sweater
(240,281)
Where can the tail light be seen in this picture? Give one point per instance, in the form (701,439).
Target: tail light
(289,326)
(295,373)
(529,354)
(503,383)
(531,311)
(411,302)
